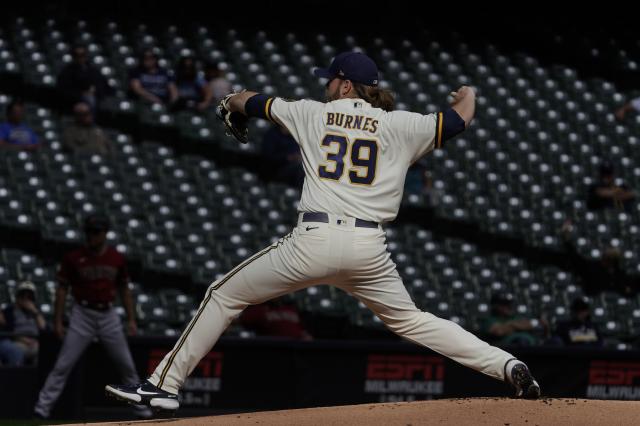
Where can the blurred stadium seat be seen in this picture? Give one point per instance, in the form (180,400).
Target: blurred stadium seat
(518,172)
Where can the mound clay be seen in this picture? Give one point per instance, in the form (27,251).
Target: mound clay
(471,411)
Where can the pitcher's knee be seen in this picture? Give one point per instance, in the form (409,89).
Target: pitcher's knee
(225,302)
(407,323)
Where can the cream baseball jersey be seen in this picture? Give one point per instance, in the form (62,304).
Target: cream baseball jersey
(355,156)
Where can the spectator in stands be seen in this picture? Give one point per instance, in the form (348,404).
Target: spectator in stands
(419,180)
(192,90)
(79,81)
(607,194)
(429,191)
(282,156)
(10,354)
(604,274)
(632,105)
(84,136)
(579,330)
(277,318)
(217,84)
(504,327)
(14,133)
(152,83)
(23,321)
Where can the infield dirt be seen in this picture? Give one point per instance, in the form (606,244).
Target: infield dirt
(464,411)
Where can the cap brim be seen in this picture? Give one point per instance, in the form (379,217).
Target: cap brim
(323,73)
(95,229)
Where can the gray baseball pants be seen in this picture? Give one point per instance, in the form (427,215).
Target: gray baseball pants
(85,325)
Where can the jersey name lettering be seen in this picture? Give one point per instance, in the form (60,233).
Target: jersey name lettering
(348,121)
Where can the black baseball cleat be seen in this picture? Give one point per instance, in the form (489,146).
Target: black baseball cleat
(144,394)
(524,383)
(39,417)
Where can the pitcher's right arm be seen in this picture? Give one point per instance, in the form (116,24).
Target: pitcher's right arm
(464,103)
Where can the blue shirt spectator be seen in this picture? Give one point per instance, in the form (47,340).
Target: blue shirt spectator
(151,82)
(14,133)
(191,88)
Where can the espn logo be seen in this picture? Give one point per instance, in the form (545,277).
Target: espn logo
(614,373)
(405,367)
(614,380)
(404,377)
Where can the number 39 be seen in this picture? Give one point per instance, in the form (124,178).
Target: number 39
(364,159)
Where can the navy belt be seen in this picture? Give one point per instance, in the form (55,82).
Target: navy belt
(324,218)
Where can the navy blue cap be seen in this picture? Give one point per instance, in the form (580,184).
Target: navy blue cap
(606,168)
(501,299)
(354,66)
(96,222)
(579,304)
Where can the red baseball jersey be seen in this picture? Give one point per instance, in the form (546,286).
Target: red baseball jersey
(266,320)
(93,278)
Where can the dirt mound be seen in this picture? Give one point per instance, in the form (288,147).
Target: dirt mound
(467,411)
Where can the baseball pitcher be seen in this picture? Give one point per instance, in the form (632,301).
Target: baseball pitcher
(356,151)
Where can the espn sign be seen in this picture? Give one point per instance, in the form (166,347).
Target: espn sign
(614,380)
(405,367)
(404,377)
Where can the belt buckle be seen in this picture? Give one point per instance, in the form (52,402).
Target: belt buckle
(341,221)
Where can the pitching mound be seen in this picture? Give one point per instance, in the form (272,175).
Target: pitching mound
(472,411)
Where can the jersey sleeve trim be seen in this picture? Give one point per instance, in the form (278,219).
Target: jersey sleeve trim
(439,120)
(267,110)
(448,124)
(259,106)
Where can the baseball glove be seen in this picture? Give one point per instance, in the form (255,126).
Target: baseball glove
(235,123)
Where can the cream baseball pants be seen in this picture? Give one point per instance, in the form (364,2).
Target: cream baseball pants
(335,252)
